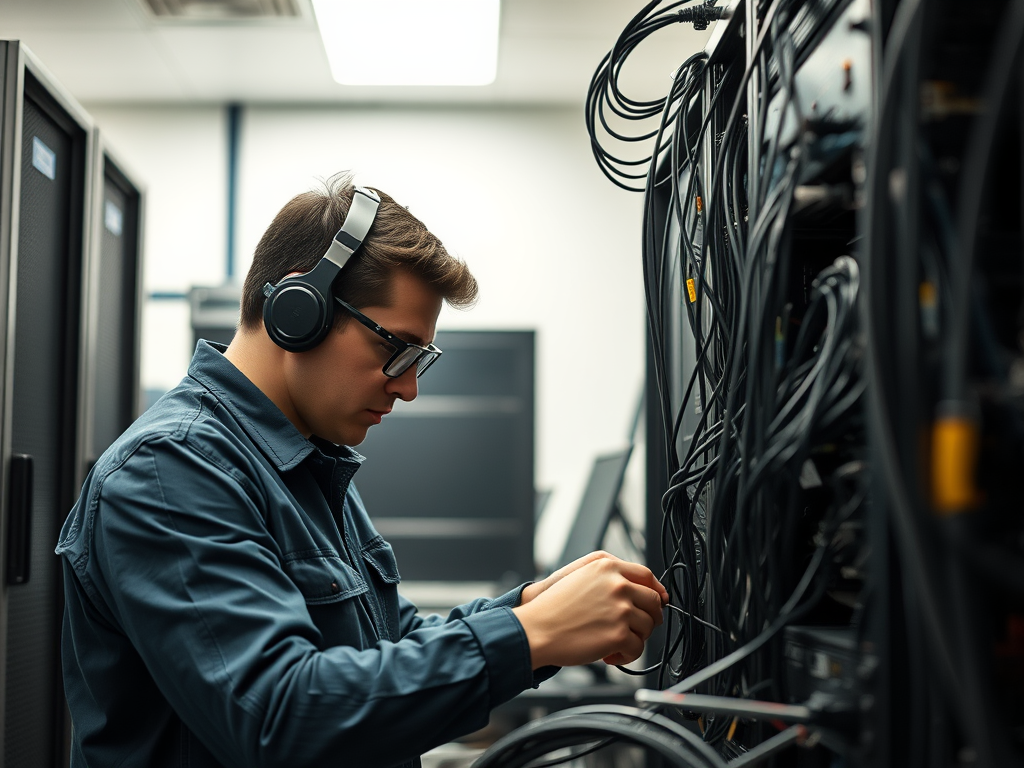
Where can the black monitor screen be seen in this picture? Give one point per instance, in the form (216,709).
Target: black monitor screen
(597,507)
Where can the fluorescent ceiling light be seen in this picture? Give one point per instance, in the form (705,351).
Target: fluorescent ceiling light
(410,42)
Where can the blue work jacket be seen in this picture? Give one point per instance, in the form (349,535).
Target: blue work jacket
(229,603)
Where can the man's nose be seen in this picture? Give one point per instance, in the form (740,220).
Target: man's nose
(404,387)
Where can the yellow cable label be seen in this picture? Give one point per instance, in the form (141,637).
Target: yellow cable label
(954,457)
(700,204)
(926,294)
(691,289)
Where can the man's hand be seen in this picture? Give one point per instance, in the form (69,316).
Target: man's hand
(531,591)
(600,608)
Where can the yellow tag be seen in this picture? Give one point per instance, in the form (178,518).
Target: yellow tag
(700,204)
(954,455)
(926,294)
(691,288)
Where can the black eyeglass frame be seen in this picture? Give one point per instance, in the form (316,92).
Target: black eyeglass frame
(429,353)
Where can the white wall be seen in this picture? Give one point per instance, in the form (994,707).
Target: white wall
(516,193)
(179,156)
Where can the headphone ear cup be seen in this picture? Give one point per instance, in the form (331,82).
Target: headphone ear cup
(296,315)
(299,310)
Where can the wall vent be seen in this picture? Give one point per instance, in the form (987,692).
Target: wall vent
(221,10)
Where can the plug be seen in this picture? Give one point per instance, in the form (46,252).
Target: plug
(702,15)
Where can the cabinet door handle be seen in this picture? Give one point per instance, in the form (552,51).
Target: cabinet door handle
(19,520)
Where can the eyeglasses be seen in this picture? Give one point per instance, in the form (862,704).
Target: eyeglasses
(406,355)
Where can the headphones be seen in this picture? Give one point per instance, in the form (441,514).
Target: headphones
(299,310)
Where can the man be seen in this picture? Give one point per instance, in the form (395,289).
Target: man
(228,599)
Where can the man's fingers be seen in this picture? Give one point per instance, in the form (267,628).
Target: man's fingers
(575,565)
(631,650)
(596,607)
(641,574)
(648,601)
(621,659)
(654,608)
(641,624)
(589,558)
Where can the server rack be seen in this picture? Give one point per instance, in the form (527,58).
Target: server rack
(823,40)
(911,131)
(46,180)
(689,402)
(112,301)
(750,248)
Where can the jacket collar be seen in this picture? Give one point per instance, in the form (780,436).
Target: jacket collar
(264,423)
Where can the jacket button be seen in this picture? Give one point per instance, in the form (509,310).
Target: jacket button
(335,588)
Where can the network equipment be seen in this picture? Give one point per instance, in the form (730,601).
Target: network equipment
(832,254)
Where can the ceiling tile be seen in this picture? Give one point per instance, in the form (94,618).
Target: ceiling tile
(112,51)
(70,14)
(269,63)
(106,66)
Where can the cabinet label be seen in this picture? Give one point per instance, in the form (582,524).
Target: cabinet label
(43,158)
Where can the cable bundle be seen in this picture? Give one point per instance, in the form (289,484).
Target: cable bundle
(742,559)
(599,726)
(764,431)
(607,104)
(937,366)
(734,534)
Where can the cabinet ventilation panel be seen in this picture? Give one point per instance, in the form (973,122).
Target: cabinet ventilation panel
(224,10)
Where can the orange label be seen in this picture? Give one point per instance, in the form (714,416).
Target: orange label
(926,294)
(954,456)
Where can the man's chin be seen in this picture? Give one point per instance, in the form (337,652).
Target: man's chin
(355,438)
(349,437)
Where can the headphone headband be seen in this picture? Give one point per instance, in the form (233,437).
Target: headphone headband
(361,214)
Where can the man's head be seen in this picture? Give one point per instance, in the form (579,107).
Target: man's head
(398,279)
(302,231)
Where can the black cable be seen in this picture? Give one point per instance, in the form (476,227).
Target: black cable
(597,747)
(731,511)
(772,746)
(604,95)
(644,728)
(655,667)
(790,612)
(912,552)
(1000,73)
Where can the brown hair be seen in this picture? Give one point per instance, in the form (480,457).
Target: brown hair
(302,231)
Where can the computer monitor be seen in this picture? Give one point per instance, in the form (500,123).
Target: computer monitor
(540,502)
(600,501)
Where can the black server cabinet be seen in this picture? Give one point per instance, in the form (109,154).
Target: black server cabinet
(111,398)
(45,177)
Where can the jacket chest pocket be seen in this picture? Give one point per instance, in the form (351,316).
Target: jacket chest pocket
(383,570)
(381,558)
(333,592)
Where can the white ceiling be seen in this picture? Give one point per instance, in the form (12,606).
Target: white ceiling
(115,51)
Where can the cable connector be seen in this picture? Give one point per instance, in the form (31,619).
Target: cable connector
(702,15)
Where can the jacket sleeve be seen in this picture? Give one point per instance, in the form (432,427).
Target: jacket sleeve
(411,620)
(181,558)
